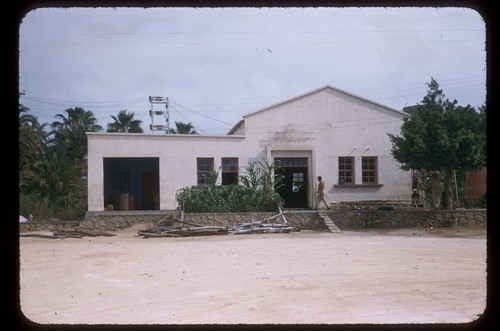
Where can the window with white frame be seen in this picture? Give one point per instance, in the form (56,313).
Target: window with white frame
(204,170)
(369,169)
(346,170)
(229,170)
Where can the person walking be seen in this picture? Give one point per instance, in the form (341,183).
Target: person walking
(320,193)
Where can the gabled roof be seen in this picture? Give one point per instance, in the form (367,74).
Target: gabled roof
(309,93)
(236,127)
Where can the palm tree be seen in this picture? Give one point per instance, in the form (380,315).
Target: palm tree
(125,122)
(32,138)
(71,130)
(52,178)
(183,128)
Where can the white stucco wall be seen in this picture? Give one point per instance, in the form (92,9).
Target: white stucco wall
(322,126)
(336,125)
(177,159)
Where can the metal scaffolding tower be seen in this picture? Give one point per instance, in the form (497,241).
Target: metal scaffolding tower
(152,113)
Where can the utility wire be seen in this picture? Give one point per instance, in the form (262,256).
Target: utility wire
(182,33)
(198,129)
(198,113)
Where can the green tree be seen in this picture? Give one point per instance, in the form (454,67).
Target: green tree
(61,177)
(52,166)
(55,180)
(125,122)
(183,128)
(442,136)
(31,142)
(71,130)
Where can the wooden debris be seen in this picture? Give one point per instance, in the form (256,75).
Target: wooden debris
(38,235)
(264,227)
(259,227)
(195,230)
(162,231)
(61,234)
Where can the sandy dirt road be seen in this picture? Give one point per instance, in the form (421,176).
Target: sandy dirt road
(306,277)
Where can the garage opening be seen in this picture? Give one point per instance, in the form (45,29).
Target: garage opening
(131,183)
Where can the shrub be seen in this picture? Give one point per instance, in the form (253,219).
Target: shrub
(33,204)
(257,193)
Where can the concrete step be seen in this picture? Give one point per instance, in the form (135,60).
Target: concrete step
(328,222)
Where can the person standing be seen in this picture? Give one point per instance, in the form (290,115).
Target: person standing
(321,193)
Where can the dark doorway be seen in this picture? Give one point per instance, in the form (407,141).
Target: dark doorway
(150,191)
(294,188)
(129,180)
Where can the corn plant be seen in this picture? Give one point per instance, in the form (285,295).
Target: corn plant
(257,192)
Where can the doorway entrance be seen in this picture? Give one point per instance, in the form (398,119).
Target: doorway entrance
(150,191)
(294,186)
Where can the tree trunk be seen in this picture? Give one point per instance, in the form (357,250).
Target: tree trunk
(435,190)
(448,198)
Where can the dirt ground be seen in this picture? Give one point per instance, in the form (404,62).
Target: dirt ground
(307,277)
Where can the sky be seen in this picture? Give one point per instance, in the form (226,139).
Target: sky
(216,65)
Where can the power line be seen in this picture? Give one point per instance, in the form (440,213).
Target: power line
(204,33)
(238,101)
(198,129)
(198,113)
(97,104)
(405,90)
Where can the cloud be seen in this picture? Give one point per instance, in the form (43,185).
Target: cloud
(221,63)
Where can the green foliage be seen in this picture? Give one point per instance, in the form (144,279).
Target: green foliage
(183,128)
(34,204)
(262,181)
(226,198)
(71,130)
(52,167)
(125,122)
(32,138)
(41,207)
(480,202)
(442,136)
(256,194)
(75,205)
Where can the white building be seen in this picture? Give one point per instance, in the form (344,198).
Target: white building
(326,132)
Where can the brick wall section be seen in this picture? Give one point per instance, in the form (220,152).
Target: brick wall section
(476,184)
(306,220)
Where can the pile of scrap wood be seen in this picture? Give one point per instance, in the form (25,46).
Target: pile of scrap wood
(263,226)
(260,227)
(168,231)
(61,234)
(188,229)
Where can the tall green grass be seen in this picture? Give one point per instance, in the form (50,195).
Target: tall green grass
(256,192)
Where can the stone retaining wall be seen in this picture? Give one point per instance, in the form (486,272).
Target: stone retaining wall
(50,225)
(107,221)
(409,218)
(306,220)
